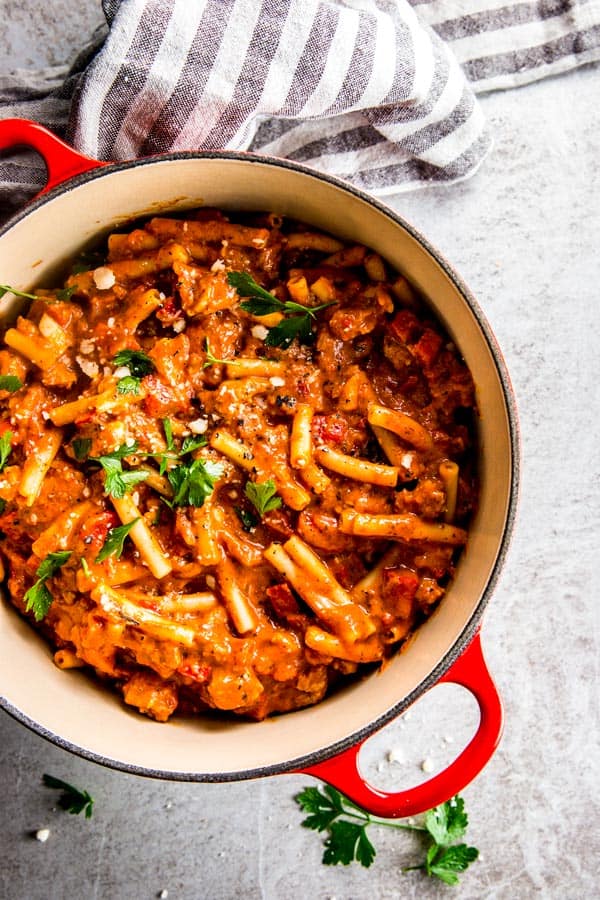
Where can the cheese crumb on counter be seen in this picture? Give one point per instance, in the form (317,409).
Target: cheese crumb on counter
(427,765)
(42,835)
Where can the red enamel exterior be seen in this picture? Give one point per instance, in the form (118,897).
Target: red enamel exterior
(343,773)
(469,670)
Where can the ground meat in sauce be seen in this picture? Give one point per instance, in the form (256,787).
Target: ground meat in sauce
(210,601)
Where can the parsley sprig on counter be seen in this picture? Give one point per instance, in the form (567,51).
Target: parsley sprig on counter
(38,598)
(297,321)
(347,824)
(71,799)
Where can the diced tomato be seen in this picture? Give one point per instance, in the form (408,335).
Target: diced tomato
(427,347)
(160,400)
(398,590)
(404,326)
(196,671)
(329,429)
(94,530)
(282,600)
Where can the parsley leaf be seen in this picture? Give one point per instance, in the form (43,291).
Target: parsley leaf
(193,482)
(262,303)
(282,334)
(10,383)
(447,823)
(81,448)
(7,289)
(249,520)
(117,481)
(347,841)
(168,429)
(129,384)
(138,363)
(263,496)
(65,293)
(71,799)
(38,598)
(115,541)
(445,862)
(212,360)
(5,448)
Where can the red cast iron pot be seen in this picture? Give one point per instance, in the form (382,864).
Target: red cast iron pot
(85,199)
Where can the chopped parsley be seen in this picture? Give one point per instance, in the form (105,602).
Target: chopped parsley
(212,360)
(193,482)
(248,519)
(262,303)
(7,289)
(10,383)
(129,384)
(81,448)
(5,448)
(71,799)
(139,365)
(347,841)
(118,481)
(38,598)
(115,541)
(263,496)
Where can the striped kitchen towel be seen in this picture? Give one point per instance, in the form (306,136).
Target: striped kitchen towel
(379,92)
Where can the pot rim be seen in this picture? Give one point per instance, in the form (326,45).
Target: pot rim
(99,170)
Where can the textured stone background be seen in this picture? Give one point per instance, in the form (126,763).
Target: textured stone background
(524,233)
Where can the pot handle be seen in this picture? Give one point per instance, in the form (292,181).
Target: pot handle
(341,771)
(62,161)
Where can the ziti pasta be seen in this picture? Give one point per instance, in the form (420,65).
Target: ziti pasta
(236,463)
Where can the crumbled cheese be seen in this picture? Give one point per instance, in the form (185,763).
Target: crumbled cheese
(122,372)
(406,460)
(163,894)
(233,495)
(395,755)
(86,492)
(87,366)
(210,582)
(259,332)
(87,346)
(42,835)
(224,243)
(179,325)
(448,739)
(217,266)
(110,322)
(104,278)
(162,296)
(45,416)
(198,426)
(427,765)
(276,381)
(136,498)
(33,519)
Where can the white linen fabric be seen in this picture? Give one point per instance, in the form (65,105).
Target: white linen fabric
(379,92)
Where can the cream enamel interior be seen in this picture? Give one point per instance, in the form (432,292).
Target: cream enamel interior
(71,705)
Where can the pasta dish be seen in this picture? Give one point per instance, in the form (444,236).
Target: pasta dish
(237,463)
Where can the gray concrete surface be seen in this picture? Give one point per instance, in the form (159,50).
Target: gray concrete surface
(524,234)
